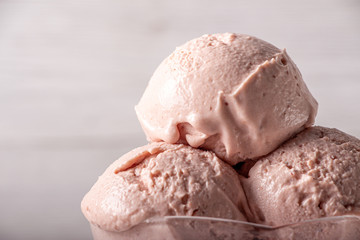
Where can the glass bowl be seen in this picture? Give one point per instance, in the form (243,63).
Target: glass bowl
(188,228)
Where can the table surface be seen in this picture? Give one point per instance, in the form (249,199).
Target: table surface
(71,72)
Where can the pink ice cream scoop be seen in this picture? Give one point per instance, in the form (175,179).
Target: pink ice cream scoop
(162,179)
(234,94)
(316,174)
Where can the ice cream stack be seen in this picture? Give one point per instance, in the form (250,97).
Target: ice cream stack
(229,122)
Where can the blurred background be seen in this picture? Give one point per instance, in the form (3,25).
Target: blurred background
(71,72)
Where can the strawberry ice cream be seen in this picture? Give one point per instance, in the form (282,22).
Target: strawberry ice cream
(216,101)
(163,179)
(314,175)
(233,94)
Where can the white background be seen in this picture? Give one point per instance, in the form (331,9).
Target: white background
(71,72)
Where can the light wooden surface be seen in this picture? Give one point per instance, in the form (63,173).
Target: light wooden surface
(72,70)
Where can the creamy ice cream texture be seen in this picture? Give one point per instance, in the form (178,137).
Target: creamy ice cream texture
(233,94)
(316,174)
(163,179)
(240,98)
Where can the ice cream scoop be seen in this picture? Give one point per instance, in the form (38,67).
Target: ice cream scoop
(233,94)
(314,175)
(163,179)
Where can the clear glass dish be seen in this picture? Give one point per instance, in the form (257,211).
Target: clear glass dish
(188,228)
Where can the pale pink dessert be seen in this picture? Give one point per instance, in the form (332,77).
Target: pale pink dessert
(162,179)
(314,175)
(233,94)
